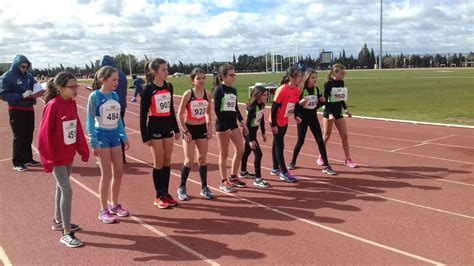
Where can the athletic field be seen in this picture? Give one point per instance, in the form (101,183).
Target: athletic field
(439,95)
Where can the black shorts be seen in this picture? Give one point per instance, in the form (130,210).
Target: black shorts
(336,115)
(229,125)
(197,131)
(159,130)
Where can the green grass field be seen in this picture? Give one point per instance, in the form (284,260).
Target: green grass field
(441,95)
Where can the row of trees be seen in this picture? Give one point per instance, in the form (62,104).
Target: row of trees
(249,63)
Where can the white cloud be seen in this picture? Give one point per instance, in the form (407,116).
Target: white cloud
(73,32)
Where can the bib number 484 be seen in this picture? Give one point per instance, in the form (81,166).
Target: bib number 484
(112,116)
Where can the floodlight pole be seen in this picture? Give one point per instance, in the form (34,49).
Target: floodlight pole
(266,62)
(130,63)
(380,50)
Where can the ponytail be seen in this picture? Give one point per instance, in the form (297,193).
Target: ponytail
(149,77)
(60,80)
(96,84)
(51,91)
(334,70)
(103,73)
(290,73)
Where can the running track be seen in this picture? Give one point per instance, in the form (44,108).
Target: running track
(410,202)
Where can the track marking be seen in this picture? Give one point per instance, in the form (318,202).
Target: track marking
(327,228)
(4,258)
(358,191)
(356,134)
(149,227)
(388,170)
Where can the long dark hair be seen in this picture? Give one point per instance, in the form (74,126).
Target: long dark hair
(254,95)
(290,73)
(151,67)
(61,79)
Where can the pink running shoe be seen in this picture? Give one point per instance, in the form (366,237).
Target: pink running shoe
(106,217)
(320,161)
(118,210)
(350,163)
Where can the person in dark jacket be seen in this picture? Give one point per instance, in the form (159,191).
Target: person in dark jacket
(16,88)
(138,84)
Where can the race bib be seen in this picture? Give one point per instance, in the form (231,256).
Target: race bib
(110,113)
(230,101)
(163,102)
(339,94)
(69,131)
(290,108)
(311,102)
(258,118)
(198,109)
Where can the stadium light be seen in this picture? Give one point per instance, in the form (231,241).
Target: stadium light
(380,50)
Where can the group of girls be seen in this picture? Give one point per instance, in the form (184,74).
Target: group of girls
(61,134)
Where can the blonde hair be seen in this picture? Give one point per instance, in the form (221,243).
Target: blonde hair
(103,73)
(336,68)
(307,75)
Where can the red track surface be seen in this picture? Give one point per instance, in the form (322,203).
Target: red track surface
(410,202)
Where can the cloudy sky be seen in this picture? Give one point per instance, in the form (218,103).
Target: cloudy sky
(73,32)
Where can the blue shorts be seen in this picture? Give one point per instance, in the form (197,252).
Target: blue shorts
(108,138)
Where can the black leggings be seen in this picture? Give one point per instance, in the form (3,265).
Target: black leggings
(313,124)
(22,123)
(258,158)
(277,150)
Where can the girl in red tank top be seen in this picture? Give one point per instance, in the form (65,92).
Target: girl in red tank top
(194,116)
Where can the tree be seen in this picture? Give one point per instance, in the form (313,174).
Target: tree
(364,56)
(372,59)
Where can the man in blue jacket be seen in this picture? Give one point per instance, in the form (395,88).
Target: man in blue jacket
(138,84)
(16,88)
(121,91)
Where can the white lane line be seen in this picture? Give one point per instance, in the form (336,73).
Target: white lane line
(440,138)
(327,228)
(391,199)
(409,147)
(365,193)
(381,150)
(151,228)
(4,258)
(7,159)
(388,170)
(356,134)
